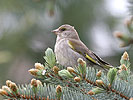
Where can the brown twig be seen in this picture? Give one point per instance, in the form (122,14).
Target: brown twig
(28,97)
(109,89)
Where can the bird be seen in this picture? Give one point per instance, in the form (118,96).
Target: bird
(69,48)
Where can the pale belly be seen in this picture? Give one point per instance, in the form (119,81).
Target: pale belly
(65,55)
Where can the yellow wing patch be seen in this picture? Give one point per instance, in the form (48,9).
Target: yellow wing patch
(86,55)
(70,44)
(91,59)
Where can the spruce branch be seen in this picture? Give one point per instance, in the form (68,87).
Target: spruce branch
(127,39)
(85,83)
(74,78)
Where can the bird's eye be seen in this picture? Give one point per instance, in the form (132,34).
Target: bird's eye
(63,29)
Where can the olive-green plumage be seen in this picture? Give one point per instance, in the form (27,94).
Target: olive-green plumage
(69,48)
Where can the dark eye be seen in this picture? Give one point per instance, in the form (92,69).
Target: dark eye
(63,29)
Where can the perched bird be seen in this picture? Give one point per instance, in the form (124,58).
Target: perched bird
(69,48)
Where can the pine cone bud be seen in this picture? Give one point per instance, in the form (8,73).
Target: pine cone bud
(96,90)
(13,87)
(118,34)
(99,74)
(6,88)
(58,89)
(65,73)
(81,62)
(70,69)
(33,71)
(39,66)
(99,82)
(125,56)
(3,92)
(91,92)
(77,79)
(34,82)
(55,69)
(123,67)
(39,82)
(8,82)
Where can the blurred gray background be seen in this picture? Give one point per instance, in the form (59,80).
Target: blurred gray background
(25,31)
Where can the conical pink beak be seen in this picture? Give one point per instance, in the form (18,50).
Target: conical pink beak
(55,31)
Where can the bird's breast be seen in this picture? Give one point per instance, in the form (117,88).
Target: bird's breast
(65,55)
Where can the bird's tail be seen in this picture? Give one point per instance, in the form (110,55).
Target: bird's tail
(108,66)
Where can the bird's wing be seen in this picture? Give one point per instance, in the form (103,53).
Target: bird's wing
(79,47)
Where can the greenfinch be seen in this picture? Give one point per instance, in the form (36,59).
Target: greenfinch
(68,48)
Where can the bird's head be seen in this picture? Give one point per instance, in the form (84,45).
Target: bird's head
(66,31)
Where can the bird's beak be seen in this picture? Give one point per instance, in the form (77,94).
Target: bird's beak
(55,31)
